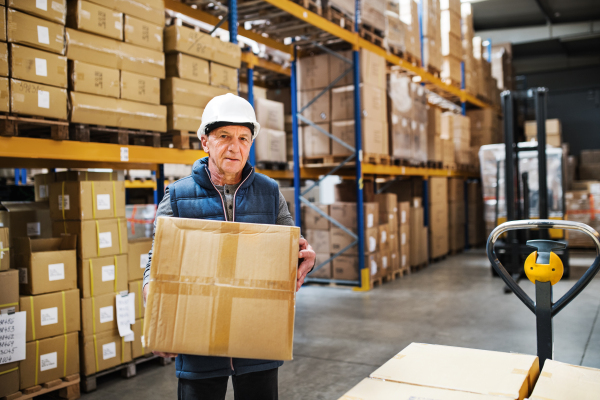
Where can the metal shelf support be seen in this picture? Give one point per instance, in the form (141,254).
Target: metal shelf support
(295,139)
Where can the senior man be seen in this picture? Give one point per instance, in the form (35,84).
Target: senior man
(224,187)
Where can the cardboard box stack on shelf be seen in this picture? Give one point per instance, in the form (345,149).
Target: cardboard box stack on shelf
(438,216)
(93,212)
(115,65)
(38,68)
(404,226)
(484,68)
(502,69)
(315,228)
(468,32)
(433,44)
(396,32)
(486,128)
(451,41)
(283,95)
(435,151)
(457,129)
(137,259)
(589,167)
(408,10)
(371,12)
(9,303)
(456,214)
(583,205)
(388,233)
(271,143)
(475,221)
(553,132)
(419,247)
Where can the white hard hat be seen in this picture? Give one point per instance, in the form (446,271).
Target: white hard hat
(228,109)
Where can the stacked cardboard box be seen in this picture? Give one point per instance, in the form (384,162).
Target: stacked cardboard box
(315,228)
(434,46)
(198,68)
(395,32)
(502,66)
(468,32)
(565,381)
(140,220)
(404,225)
(137,260)
(388,233)
(475,219)
(456,214)
(486,127)
(271,143)
(408,10)
(113,82)
(371,12)
(451,41)
(589,167)
(438,216)
(419,253)
(9,303)
(283,95)
(583,205)
(484,69)
(553,131)
(38,67)
(457,128)
(434,134)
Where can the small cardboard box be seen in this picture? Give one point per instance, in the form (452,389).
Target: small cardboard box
(403,213)
(560,381)
(148,10)
(312,219)
(98,314)
(187,67)
(46,265)
(318,239)
(140,308)
(318,112)
(24,218)
(314,142)
(95,238)
(4,95)
(461,369)
(56,13)
(271,146)
(38,66)
(103,351)
(198,44)
(179,91)
(94,18)
(346,267)
(339,239)
(4,250)
(41,184)
(51,314)
(345,214)
(142,88)
(87,200)
(383,239)
(137,347)
(9,378)
(269,114)
(138,257)
(9,290)
(35,32)
(223,76)
(39,100)
(94,79)
(313,72)
(143,33)
(97,276)
(388,207)
(255,290)
(183,118)
(325,271)
(49,359)
(438,189)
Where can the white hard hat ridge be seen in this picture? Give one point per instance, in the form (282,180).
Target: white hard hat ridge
(229,108)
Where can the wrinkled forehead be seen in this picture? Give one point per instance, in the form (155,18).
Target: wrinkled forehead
(237,130)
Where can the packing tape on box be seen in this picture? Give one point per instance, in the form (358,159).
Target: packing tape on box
(9,370)
(116,269)
(122,349)
(94,316)
(114,198)
(92,279)
(98,236)
(9,305)
(65,362)
(139,295)
(37,360)
(32,319)
(96,352)
(119,232)
(64,312)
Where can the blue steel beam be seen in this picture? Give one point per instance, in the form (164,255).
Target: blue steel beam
(295,139)
(250,73)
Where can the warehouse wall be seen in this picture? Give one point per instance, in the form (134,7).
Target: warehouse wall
(575,99)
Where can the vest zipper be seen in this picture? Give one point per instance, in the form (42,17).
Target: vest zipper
(221,197)
(236,190)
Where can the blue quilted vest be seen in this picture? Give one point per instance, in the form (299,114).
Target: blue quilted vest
(256,201)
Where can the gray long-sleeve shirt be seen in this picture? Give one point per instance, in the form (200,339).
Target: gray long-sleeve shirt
(227,192)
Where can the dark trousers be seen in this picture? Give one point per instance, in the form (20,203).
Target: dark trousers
(260,385)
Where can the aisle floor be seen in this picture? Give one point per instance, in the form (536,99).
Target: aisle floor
(341,336)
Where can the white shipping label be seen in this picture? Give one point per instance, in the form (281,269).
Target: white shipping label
(384,261)
(403,219)
(34,229)
(104,240)
(403,239)
(106,314)
(1,252)
(43,191)
(109,350)
(383,236)
(56,272)
(12,337)
(403,260)
(43,35)
(143,260)
(43,99)
(41,68)
(103,202)
(372,244)
(41,4)
(108,273)
(48,361)
(123,319)
(373,267)
(143,341)
(63,201)
(23,276)
(124,153)
(49,316)
(391,217)
(369,220)
(130,337)
(132,308)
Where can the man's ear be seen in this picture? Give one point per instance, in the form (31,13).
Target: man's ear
(204,142)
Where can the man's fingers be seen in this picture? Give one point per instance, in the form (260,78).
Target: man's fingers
(161,354)
(306,254)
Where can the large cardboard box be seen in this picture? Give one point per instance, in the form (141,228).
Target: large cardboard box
(57,12)
(4,61)
(374,133)
(94,79)
(9,290)
(98,314)
(560,381)
(102,351)
(271,145)
(383,237)
(256,295)
(46,265)
(312,219)
(3,23)
(345,214)
(223,76)
(313,72)
(388,208)
(373,102)
(314,142)
(143,33)
(339,240)
(373,68)
(461,369)
(87,200)
(438,224)
(24,218)
(4,95)
(318,239)
(183,118)
(325,271)
(187,67)
(338,66)
(346,267)
(51,314)
(39,100)
(49,359)
(186,40)
(94,18)
(140,307)
(9,378)
(91,109)
(95,238)
(138,257)
(319,111)
(179,91)
(98,276)
(142,88)
(148,10)
(35,32)
(4,250)
(269,114)
(137,347)
(38,66)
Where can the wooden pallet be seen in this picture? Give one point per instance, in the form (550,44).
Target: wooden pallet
(411,58)
(451,166)
(419,164)
(128,370)
(105,134)
(393,275)
(310,5)
(324,161)
(376,282)
(433,71)
(439,258)
(272,165)
(451,82)
(419,267)
(38,127)
(338,17)
(371,34)
(400,162)
(377,159)
(178,139)
(67,388)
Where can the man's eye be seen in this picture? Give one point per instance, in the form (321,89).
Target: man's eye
(223,136)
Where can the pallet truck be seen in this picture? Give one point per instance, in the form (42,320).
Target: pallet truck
(544,268)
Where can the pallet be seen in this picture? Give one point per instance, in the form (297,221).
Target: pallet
(272,165)
(324,161)
(37,127)
(400,162)
(67,387)
(451,82)
(416,268)
(376,282)
(377,159)
(451,166)
(338,17)
(104,134)
(419,164)
(434,164)
(411,58)
(433,71)
(128,370)
(371,34)
(392,276)
(439,258)
(310,5)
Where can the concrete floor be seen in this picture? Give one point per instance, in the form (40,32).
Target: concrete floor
(341,336)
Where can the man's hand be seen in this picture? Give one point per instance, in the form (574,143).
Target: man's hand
(161,354)
(145,293)
(308,255)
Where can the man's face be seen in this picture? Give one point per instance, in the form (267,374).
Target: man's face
(228,147)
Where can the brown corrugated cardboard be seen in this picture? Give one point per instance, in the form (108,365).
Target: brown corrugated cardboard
(318,239)
(346,267)
(49,359)
(339,240)
(180,91)
(94,18)
(325,271)
(87,200)
(51,314)
(403,213)
(56,11)
(312,219)
(143,33)
(3,24)
(148,10)
(560,381)
(271,145)
(319,111)
(186,40)
(98,276)
(314,142)
(4,61)
(468,370)
(282,95)
(94,79)
(313,72)
(438,223)
(138,257)
(183,118)
(91,109)
(98,314)
(4,95)
(142,88)
(383,238)
(345,191)
(416,225)
(95,238)
(38,66)
(456,189)
(252,320)
(9,293)
(137,349)
(337,66)
(142,60)
(269,114)
(187,67)
(24,218)
(35,32)
(223,76)
(388,208)
(438,187)
(140,308)
(372,68)
(9,378)
(4,250)
(102,351)
(343,130)
(345,214)
(373,102)
(46,265)
(38,100)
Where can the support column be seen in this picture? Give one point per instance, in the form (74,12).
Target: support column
(295,139)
